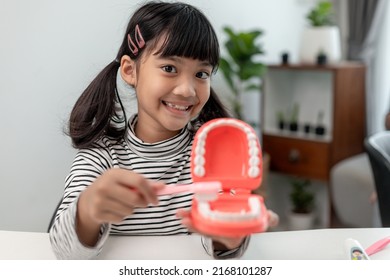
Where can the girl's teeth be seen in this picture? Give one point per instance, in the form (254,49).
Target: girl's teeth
(177,107)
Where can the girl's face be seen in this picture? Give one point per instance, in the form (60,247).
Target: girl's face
(170,92)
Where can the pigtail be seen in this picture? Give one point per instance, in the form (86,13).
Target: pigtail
(91,116)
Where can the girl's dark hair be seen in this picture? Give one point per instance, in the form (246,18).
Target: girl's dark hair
(188,34)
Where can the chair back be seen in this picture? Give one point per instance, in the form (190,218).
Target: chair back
(378,150)
(53,216)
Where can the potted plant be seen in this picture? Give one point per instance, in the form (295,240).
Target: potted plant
(294,118)
(302,200)
(320,127)
(322,37)
(241,67)
(280,120)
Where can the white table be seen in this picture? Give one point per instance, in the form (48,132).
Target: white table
(320,244)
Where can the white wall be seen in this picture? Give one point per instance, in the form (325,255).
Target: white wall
(49,52)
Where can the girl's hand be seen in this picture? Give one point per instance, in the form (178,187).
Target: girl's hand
(227,242)
(273,218)
(111,198)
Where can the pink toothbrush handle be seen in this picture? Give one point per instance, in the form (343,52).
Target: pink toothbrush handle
(175,189)
(378,246)
(201,187)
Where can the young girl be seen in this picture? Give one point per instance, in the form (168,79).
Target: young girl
(168,55)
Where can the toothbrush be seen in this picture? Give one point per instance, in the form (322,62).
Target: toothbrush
(202,190)
(378,246)
(354,250)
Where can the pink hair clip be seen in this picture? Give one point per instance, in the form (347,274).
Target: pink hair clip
(138,39)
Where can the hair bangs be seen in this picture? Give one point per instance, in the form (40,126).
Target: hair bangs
(192,37)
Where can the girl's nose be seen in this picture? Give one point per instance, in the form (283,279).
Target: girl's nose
(185,87)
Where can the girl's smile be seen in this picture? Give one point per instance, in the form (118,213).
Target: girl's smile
(176,107)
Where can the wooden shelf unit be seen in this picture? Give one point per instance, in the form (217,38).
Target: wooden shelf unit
(339,91)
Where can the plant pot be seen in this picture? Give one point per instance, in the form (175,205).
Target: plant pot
(293,126)
(307,128)
(301,221)
(281,125)
(284,58)
(321,59)
(320,130)
(321,39)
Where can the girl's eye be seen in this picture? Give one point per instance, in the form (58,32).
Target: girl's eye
(202,75)
(169,69)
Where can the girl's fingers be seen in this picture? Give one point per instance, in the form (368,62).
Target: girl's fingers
(186,221)
(183,213)
(125,196)
(157,186)
(121,201)
(116,212)
(114,195)
(135,182)
(273,219)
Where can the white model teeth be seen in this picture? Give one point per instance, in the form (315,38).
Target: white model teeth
(200,151)
(177,107)
(253,213)
(199,160)
(253,171)
(199,171)
(253,148)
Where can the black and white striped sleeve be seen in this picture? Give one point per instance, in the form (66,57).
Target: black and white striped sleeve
(87,166)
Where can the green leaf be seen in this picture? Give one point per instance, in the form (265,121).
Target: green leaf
(301,198)
(227,72)
(250,70)
(241,63)
(321,14)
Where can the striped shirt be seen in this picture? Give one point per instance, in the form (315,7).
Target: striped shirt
(167,161)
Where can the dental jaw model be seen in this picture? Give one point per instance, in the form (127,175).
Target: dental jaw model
(226,153)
